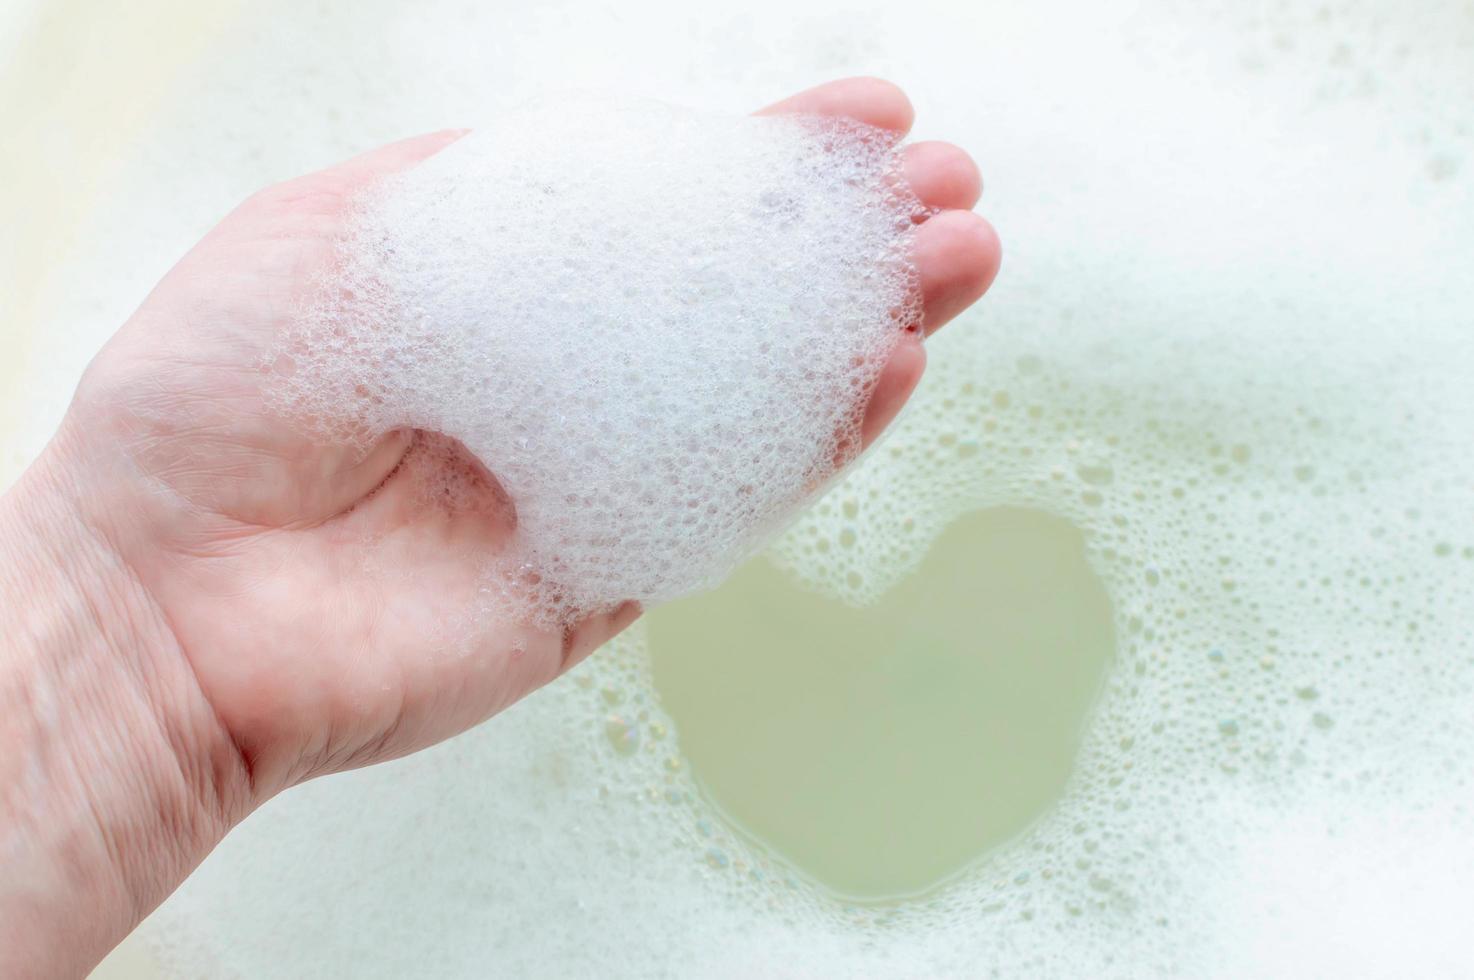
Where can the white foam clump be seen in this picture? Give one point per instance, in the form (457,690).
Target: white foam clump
(655,327)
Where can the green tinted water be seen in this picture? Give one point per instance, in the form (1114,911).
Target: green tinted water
(880,750)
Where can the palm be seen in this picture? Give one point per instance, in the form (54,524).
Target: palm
(307,585)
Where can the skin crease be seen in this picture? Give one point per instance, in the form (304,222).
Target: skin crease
(185,572)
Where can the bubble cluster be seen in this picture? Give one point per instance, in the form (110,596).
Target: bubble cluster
(655,327)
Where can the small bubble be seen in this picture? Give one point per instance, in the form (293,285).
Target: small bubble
(622,734)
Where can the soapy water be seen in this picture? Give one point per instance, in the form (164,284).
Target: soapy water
(1230,344)
(880,749)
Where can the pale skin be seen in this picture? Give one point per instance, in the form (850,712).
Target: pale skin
(189,625)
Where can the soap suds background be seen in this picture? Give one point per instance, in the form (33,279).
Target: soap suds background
(1231,342)
(658,328)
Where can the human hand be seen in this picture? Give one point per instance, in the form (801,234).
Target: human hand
(221,549)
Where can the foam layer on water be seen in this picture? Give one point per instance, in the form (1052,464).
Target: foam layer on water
(655,327)
(1230,343)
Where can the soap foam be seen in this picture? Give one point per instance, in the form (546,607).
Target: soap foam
(656,328)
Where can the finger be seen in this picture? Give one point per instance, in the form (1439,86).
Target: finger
(898,379)
(537,658)
(393,157)
(941,175)
(956,255)
(437,488)
(872,101)
(593,632)
(347,475)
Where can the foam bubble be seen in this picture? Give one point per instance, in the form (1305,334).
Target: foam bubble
(655,327)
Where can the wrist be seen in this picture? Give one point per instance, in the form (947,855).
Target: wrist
(115,777)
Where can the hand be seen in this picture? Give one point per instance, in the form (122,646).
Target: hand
(220,550)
